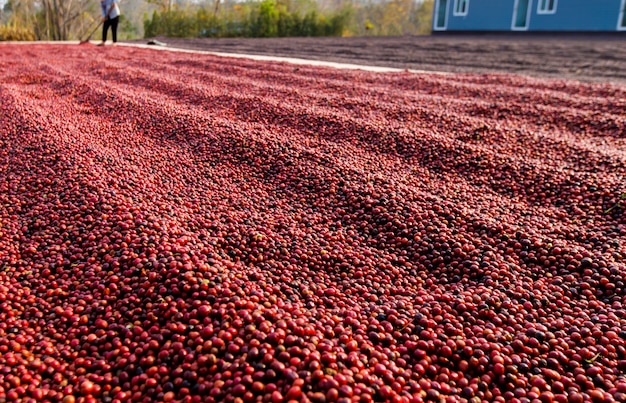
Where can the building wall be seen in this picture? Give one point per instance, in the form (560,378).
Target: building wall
(482,15)
(596,15)
(571,15)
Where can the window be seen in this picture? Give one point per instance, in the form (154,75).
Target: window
(521,15)
(546,6)
(441,13)
(460,7)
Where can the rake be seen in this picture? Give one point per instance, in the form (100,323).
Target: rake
(91,34)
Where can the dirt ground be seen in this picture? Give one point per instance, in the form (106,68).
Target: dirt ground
(580,57)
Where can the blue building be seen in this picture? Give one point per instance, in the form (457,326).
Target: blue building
(530,15)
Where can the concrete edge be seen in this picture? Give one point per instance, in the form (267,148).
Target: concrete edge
(265,58)
(291,60)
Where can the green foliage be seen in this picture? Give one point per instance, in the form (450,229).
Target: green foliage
(46,20)
(392,17)
(220,18)
(176,23)
(268,18)
(422,18)
(16,22)
(15,33)
(127,28)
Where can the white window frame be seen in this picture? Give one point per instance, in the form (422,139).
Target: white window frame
(621,13)
(543,7)
(445,19)
(528,14)
(458,4)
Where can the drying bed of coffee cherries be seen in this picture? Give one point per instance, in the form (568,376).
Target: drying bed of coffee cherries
(184,227)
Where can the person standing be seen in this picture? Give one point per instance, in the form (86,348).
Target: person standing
(110,18)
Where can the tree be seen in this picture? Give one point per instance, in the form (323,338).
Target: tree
(48,19)
(267,20)
(391,17)
(19,16)
(423,17)
(61,18)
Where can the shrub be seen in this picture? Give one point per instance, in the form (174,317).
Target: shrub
(265,19)
(14,33)
(174,23)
